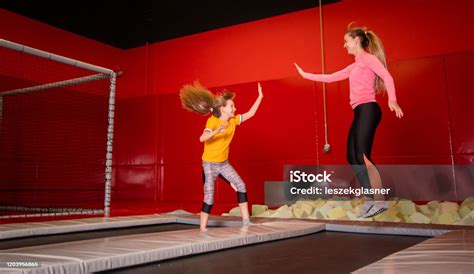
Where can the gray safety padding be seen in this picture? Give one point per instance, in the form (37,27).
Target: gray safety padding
(449,253)
(10,231)
(213,220)
(123,251)
(387,230)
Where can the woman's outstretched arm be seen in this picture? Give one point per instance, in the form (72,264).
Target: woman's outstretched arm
(326,78)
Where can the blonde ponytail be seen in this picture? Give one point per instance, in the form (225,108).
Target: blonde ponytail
(376,48)
(370,42)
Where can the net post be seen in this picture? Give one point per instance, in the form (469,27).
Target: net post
(110,140)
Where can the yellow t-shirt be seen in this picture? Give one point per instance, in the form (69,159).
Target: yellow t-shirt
(216,149)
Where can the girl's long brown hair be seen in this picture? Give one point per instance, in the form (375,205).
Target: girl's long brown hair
(196,98)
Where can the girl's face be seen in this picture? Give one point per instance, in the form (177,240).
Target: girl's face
(229,109)
(350,43)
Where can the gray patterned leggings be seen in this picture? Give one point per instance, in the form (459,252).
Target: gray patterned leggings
(210,172)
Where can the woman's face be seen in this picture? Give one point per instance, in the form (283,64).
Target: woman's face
(229,109)
(350,43)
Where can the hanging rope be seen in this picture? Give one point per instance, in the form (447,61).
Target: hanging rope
(327,147)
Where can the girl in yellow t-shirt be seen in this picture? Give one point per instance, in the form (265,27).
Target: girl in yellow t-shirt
(217,135)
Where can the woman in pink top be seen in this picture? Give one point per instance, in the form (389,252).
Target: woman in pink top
(368,75)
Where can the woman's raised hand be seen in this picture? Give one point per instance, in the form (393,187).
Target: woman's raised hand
(300,70)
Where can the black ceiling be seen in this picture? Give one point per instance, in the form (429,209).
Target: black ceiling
(127,23)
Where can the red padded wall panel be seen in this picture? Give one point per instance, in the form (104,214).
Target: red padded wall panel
(274,133)
(421,92)
(135,138)
(134,188)
(459,68)
(182,183)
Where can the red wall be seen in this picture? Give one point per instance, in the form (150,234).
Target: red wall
(266,49)
(157,152)
(429,53)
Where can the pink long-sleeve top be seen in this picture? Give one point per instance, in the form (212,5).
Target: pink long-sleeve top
(361,74)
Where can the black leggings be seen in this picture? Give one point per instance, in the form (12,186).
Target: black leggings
(361,136)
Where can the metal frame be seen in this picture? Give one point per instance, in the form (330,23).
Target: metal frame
(102,74)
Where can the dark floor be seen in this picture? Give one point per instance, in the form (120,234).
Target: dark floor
(323,252)
(95,234)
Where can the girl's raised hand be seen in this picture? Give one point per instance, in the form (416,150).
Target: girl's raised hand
(260,93)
